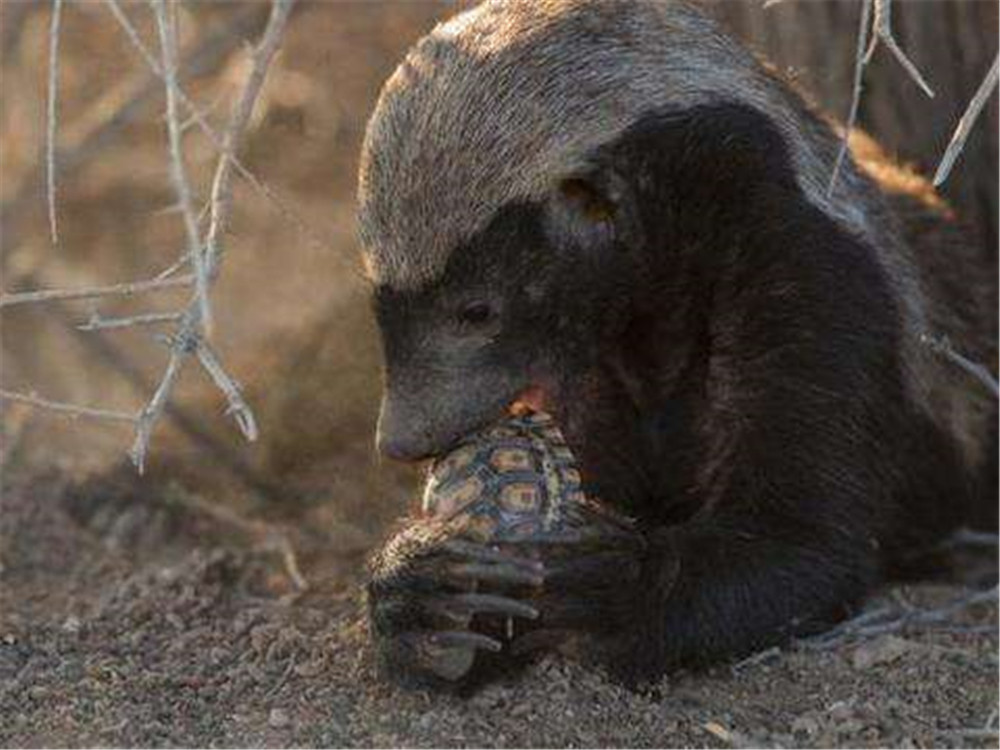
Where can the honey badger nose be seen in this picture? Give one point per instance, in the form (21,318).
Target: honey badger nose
(400,436)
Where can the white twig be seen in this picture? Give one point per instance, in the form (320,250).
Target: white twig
(886,620)
(114,290)
(943,347)
(852,116)
(271,538)
(181,345)
(174,267)
(263,54)
(197,115)
(70,410)
(882,32)
(237,406)
(973,538)
(97,323)
(165,24)
(52,118)
(188,338)
(966,122)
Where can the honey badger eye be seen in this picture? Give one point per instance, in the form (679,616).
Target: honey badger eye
(475,313)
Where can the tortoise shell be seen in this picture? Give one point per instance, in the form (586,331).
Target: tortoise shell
(517,481)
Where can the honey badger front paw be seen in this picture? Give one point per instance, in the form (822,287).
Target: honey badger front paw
(591,594)
(432,601)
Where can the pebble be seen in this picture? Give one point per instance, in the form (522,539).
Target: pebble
(881,651)
(520,710)
(805,725)
(840,711)
(717,730)
(72,625)
(278,718)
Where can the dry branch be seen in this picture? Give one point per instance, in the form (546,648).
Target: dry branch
(52,118)
(98,323)
(966,122)
(882,32)
(189,337)
(880,26)
(269,537)
(182,344)
(890,620)
(263,54)
(127,289)
(166,28)
(68,410)
(859,70)
(978,371)
(193,322)
(197,116)
(237,406)
(84,139)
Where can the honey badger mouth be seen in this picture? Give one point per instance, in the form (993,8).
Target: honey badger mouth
(532,399)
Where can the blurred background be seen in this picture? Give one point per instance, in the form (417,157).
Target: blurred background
(293,323)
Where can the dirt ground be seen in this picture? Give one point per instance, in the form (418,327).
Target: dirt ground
(129,618)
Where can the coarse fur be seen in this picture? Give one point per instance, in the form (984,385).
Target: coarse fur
(616,205)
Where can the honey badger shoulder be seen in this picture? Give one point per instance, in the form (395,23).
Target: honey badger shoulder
(615,209)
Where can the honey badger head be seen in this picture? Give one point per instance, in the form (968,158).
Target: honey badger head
(507,212)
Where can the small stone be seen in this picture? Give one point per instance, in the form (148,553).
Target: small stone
(278,718)
(37,692)
(880,651)
(840,711)
(72,625)
(717,730)
(175,621)
(520,710)
(310,668)
(806,725)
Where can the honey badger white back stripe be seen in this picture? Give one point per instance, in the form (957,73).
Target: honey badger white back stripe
(504,100)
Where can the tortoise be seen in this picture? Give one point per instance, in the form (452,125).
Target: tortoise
(501,513)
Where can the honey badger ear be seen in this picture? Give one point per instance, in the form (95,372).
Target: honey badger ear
(589,211)
(586,201)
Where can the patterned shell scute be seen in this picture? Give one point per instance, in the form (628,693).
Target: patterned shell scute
(514,481)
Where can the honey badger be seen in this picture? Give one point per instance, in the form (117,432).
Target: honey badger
(614,212)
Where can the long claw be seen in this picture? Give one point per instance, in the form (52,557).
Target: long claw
(498,573)
(476,603)
(485,554)
(463,639)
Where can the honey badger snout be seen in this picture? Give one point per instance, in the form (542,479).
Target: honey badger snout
(424,416)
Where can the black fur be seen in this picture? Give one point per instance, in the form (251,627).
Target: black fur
(727,363)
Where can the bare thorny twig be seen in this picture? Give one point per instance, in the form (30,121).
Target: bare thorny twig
(876,20)
(875,29)
(192,324)
(885,620)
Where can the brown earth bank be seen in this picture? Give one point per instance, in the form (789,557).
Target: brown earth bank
(131,616)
